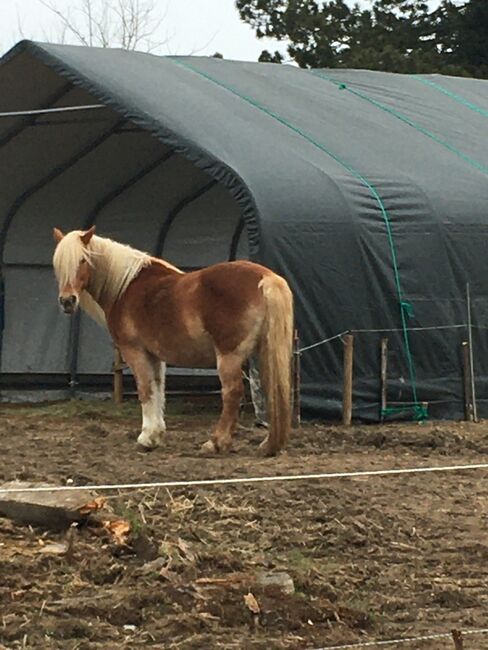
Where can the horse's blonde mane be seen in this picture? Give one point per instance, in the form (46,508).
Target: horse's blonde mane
(114,266)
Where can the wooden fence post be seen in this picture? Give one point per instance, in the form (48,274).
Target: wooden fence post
(296,415)
(383,377)
(118,377)
(457,637)
(468,401)
(347,386)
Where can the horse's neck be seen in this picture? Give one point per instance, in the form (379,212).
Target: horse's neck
(97,289)
(114,268)
(97,310)
(166,267)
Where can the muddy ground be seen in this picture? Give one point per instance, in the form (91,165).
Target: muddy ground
(371,558)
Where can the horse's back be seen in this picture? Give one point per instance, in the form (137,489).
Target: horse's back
(187,318)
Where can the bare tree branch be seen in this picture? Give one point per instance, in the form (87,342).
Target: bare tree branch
(129,24)
(196,50)
(65,19)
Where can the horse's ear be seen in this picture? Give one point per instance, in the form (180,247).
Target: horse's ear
(58,235)
(86,236)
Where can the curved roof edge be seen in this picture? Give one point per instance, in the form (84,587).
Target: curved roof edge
(199,156)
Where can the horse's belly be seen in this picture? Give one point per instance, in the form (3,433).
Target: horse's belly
(191,353)
(187,360)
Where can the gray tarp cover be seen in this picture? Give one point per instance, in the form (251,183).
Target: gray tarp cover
(366,190)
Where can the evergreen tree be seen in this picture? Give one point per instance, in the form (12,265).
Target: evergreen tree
(394,35)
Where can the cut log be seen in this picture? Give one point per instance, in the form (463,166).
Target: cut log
(52,510)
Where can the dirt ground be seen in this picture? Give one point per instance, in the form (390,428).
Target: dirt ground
(370,558)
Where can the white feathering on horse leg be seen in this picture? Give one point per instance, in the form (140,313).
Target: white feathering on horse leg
(152,419)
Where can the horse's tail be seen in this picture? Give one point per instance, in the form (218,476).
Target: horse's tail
(275,359)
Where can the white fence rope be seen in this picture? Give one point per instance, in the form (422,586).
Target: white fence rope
(381,330)
(47,111)
(247,480)
(416,639)
(413,329)
(315,345)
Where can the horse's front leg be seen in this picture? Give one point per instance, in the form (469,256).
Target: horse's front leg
(150,388)
(160,376)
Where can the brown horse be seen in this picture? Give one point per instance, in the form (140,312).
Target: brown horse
(219,315)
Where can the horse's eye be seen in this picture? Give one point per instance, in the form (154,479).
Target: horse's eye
(82,261)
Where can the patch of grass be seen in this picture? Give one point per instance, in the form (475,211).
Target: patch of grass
(127,513)
(363,608)
(299,563)
(77,409)
(130,408)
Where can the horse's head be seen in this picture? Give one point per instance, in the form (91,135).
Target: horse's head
(72,266)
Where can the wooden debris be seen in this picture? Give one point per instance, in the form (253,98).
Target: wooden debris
(457,637)
(154,566)
(185,548)
(229,580)
(92,506)
(55,548)
(251,603)
(253,606)
(119,529)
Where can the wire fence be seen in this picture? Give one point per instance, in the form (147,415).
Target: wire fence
(405,640)
(249,480)
(386,330)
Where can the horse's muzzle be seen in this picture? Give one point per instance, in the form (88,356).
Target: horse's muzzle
(69,305)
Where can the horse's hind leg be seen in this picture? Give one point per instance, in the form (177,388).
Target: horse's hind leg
(257,394)
(229,368)
(150,383)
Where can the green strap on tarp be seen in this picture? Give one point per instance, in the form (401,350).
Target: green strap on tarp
(403,118)
(454,96)
(406,309)
(420,412)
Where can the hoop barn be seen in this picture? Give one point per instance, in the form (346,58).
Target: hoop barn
(368,191)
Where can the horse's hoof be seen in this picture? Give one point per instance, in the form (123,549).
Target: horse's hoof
(209,448)
(265,451)
(143,449)
(148,440)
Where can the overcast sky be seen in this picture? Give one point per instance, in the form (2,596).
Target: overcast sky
(191,26)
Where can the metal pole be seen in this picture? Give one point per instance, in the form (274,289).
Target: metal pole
(49,111)
(73,352)
(471,361)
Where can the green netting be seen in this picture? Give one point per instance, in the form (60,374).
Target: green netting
(420,411)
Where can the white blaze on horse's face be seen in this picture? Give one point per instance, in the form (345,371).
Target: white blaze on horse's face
(70,290)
